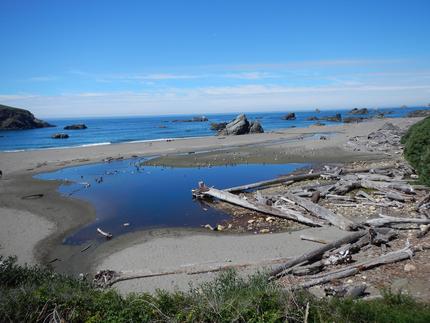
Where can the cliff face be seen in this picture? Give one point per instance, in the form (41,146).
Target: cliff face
(19,119)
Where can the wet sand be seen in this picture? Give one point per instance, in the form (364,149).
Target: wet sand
(63,215)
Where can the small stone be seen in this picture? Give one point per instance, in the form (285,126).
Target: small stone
(349,281)
(126,224)
(230,226)
(270,219)
(264,231)
(409,267)
(220,227)
(251,221)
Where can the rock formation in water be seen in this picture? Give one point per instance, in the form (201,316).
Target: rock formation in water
(359,111)
(336,118)
(194,119)
(79,126)
(290,116)
(353,119)
(60,136)
(19,119)
(241,126)
(218,126)
(312,118)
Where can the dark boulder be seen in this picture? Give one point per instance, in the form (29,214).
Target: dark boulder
(60,136)
(353,119)
(418,113)
(194,119)
(79,126)
(238,126)
(289,116)
(336,118)
(256,127)
(359,111)
(19,119)
(218,126)
(319,124)
(241,126)
(313,118)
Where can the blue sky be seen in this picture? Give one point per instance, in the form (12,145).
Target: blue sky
(70,58)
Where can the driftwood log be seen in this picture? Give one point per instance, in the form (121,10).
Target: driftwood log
(391,257)
(321,212)
(317,253)
(266,209)
(385,220)
(295,178)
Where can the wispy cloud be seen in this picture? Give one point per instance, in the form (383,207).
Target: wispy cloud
(254,97)
(43,78)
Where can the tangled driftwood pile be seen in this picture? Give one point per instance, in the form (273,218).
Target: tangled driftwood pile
(385,140)
(384,187)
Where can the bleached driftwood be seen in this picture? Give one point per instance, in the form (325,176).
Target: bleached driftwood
(391,257)
(317,253)
(385,220)
(237,200)
(295,178)
(107,235)
(322,212)
(106,278)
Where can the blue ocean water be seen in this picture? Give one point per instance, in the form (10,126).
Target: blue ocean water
(151,197)
(126,129)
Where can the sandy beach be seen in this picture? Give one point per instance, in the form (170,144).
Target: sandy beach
(33,226)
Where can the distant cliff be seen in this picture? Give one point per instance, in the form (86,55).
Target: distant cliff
(19,119)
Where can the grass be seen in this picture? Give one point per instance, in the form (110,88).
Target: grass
(32,294)
(417,148)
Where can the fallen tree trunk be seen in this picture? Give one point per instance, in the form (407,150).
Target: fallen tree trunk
(386,220)
(351,270)
(237,200)
(113,277)
(322,212)
(273,181)
(295,178)
(317,253)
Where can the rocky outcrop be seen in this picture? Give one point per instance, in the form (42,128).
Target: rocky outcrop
(241,126)
(218,126)
(289,116)
(79,126)
(60,136)
(19,119)
(418,113)
(359,111)
(312,118)
(336,118)
(194,119)
(256,127)
(353,119)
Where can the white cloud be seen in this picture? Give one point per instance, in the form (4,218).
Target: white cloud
(220,99)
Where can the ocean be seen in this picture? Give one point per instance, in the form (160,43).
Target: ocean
(110,130)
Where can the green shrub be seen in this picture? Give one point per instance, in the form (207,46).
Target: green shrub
(417,148)
(32,294)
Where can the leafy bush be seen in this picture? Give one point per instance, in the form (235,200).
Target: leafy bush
(32,294)
(417,148)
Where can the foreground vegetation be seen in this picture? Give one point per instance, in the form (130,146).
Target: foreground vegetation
(417,148)
(38,295)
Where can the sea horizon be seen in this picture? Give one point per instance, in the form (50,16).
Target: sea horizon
(106,130)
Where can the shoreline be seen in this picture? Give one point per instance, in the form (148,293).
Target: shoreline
(67,214)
